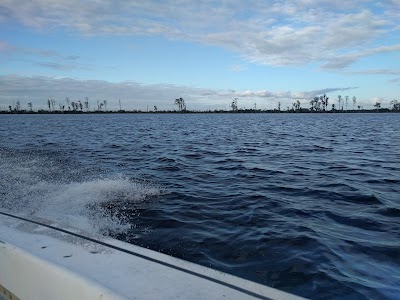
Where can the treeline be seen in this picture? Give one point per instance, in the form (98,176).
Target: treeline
(317,105)
(216,111)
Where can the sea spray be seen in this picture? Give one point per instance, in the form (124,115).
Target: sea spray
(71,196)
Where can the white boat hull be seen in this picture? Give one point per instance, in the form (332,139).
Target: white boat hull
(44,262)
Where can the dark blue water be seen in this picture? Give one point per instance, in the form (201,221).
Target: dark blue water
(307,203)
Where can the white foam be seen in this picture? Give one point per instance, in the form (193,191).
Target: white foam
(80,203)
(28,189)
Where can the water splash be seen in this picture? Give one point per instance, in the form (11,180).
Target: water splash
(48,187)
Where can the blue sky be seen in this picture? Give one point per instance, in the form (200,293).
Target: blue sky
(148,53)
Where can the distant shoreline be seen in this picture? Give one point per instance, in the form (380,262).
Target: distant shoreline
(247,111)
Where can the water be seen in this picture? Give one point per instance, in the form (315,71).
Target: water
(307,203)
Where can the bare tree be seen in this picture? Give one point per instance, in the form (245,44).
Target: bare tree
(395,105)
(312,101)
(53,103)
(105,105)
(68,103)
(347,100)
(86,104)
(296,105)
(316,104)
(234,104)
(354,101)
(181,104)
(324,101)
(178,102)
(339,100)
(74,105)
(377,105)
(18,106)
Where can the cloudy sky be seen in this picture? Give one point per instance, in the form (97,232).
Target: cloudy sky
(148,53)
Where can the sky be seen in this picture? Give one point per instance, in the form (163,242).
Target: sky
(148,53)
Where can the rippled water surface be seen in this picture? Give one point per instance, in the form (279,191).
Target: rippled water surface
(307,203)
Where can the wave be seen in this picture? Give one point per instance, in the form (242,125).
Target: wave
(45,186)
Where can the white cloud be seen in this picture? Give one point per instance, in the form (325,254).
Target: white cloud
(60,66)
(343,61)
(304,95)
(349,30)
(374,100)
(13,50)
(290,32)
(377,72)
(58,61)
(134,95)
